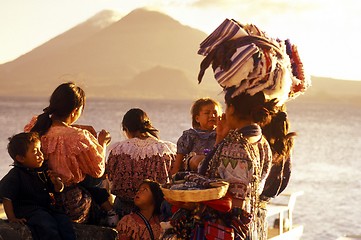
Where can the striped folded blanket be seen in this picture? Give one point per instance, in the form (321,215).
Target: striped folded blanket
(245,58)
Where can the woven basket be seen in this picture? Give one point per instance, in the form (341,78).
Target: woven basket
(218,190)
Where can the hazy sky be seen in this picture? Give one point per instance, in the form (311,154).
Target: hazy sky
(327,32)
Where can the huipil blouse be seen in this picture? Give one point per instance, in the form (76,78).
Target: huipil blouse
(73,153)
(244,160)
(132,226)
(196,140)
(133,160)
(241,153)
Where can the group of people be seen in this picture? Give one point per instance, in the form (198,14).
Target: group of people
(61,173)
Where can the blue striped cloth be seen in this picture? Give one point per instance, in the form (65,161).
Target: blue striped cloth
(259,63)
(228,30)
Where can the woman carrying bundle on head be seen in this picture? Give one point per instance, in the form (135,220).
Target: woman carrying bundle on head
(258,75)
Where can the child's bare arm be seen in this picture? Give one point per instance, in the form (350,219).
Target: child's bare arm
(177,164)
(194,161)
(9,210)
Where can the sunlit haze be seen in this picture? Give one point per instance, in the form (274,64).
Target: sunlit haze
(327,32)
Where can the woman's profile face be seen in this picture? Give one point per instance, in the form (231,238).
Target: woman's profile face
(77,113)
(229,112)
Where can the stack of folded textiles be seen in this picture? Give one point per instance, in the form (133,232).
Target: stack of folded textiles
(245,58)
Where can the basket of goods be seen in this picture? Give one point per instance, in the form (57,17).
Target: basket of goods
(192,187)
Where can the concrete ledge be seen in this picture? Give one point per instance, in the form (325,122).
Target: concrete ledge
(83,232)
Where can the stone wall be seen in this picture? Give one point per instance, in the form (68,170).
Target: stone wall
(14,231)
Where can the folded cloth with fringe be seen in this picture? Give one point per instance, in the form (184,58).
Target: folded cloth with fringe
(245,58)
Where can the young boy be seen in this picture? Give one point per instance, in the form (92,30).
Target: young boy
(28,191)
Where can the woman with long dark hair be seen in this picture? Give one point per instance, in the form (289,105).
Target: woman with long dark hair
(74,153)
(258,75)
(142,156)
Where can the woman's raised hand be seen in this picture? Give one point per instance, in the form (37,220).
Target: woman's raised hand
(104,137)
(222,128)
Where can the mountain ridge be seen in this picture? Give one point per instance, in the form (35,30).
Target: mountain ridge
(109,56)
(108,60)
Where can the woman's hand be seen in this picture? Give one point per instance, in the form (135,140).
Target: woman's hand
(104,138)
(222,128)
(56,180)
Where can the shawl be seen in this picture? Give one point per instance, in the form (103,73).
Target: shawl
(140,149)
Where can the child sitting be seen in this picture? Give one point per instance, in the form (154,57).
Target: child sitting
(194,142)
(144,223)
(28,191)
(142,156)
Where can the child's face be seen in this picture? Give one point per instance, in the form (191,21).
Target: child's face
(143,197)
(33,158)
(207,117)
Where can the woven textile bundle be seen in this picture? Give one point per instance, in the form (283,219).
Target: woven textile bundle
(245,58)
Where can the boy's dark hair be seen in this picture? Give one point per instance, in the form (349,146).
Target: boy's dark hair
(19,143)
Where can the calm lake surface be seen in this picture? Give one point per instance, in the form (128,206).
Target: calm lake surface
(326,162)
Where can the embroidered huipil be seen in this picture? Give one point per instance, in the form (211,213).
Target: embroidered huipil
(133,227)
(244,159)
(237,159)
(195,140)
(73,153)
(133,160)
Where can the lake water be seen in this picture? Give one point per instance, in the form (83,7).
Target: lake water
(326,163)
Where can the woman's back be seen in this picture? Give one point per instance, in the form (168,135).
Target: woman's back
(73,153)
(133,160)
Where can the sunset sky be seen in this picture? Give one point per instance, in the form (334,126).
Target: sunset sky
(327,32)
